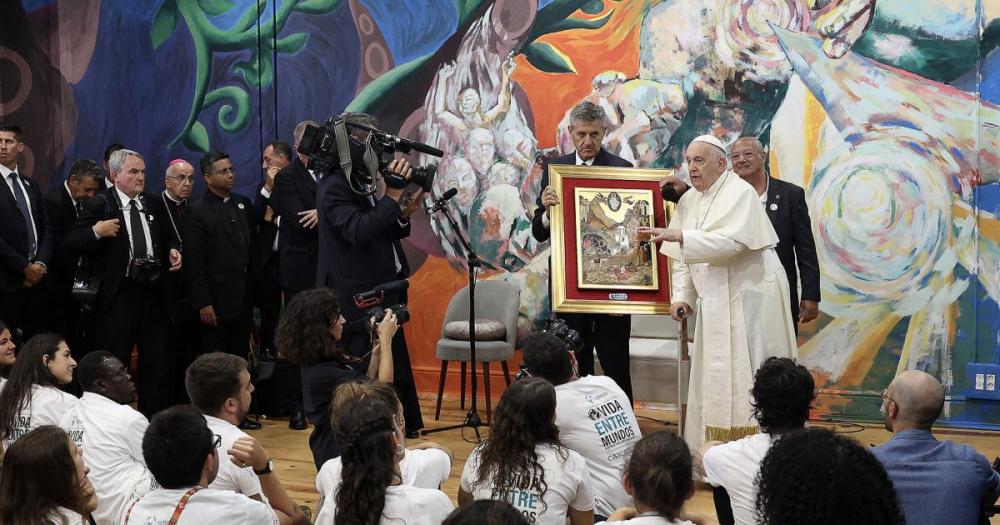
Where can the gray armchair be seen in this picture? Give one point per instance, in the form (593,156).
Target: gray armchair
(494,300)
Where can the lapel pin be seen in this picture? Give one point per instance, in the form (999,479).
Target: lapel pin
(240,206)
(774,207)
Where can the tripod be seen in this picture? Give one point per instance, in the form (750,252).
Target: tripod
(472,419)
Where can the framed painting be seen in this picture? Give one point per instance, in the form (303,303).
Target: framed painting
(600,263)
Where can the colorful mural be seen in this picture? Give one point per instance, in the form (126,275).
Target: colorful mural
(886,111)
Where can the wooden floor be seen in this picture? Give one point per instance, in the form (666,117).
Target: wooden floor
(290,448)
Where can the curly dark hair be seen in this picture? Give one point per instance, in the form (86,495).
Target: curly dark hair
(782,394)
(661,473)
(547,356)
(818,477)
(303,334)
(368,457)
(524,418)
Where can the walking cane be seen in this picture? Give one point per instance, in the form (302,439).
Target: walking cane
(683,372)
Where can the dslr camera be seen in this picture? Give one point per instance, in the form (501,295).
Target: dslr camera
(570,337)
(145,269)
(327,145)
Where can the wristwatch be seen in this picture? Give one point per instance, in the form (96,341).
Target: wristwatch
(267,468)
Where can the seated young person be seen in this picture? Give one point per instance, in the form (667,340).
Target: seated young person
(31,397)
(782,392)
(372,491)
(45,481)
(109,432)
(818,477)
(7,357)
(309,335)
(523,462)
(659,479)
(426,465)
(181,453)
(593,414)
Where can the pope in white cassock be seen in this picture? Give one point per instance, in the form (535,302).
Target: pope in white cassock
(724,263)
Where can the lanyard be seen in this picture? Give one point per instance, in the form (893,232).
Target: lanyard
(177,510)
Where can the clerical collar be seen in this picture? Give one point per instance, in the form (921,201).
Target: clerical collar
(580,161)
(215,196)
(173,200)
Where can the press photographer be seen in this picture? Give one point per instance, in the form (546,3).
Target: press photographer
(360,228)
(126,235)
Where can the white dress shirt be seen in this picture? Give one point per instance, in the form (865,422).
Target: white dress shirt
(126,210)
(6,173)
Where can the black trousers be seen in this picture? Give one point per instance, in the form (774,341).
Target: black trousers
(269,301)
(184,342)
(358,341)
(136,318)
(25,310)
(609,334)
(231,335)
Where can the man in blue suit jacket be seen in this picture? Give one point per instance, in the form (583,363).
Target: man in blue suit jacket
(608,333)
(25,239)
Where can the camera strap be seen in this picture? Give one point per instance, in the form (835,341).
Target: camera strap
(371,159)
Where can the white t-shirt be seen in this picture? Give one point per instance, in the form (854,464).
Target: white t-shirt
(207,506)
(649,520)
(404,505)
(567,479)
(110,436)
(734,466)
(596,419)
(424,468)
(237,479)
(47,406)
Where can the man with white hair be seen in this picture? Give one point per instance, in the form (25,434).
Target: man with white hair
(722,244)
(127,234)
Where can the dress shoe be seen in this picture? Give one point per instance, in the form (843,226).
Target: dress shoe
(297,421)
(248,424)
(412,434)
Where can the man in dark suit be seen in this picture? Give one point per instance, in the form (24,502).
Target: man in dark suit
(63,204)
(786,206)
(25,240)
(184,337)
(609,334)
(294,197)
(125,232)
(219,232)
(359,249)
(277,155)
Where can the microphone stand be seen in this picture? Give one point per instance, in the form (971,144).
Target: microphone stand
(472,419)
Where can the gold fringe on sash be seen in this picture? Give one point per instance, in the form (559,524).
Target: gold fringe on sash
(727,434)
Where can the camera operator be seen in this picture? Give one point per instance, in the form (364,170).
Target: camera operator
(127,235)
(359,249)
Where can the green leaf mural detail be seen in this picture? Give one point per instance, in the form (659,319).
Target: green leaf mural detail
(259,20)
(215,7)
(164,23)
(546,57)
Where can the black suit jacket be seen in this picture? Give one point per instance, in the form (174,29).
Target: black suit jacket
(266,231)
(14,235)
(218,253)
(603,158)
(62,215)
(789,214)
(111,254)
(295,191)
(356,241)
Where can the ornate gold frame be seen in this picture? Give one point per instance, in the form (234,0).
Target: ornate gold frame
(557,230)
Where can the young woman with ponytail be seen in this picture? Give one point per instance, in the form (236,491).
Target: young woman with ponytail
(371,491)
(659,480)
